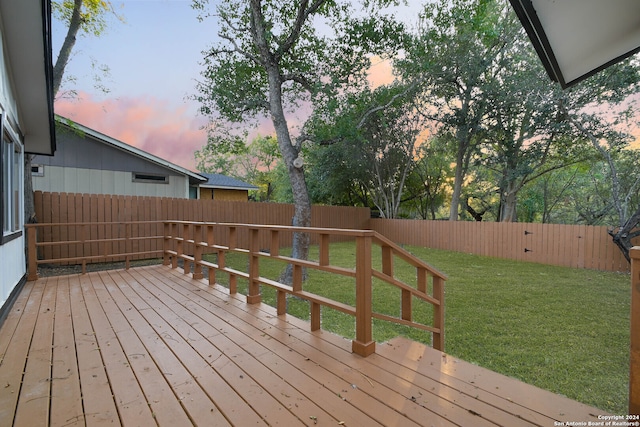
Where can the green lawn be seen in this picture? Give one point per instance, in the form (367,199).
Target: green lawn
(561,329)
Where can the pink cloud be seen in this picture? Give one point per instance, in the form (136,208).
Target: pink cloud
(153,125)
(381,72)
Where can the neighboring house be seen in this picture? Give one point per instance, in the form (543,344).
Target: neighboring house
(26,118)
(222,187)
(87,161)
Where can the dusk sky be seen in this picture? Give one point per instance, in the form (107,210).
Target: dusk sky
(154,63)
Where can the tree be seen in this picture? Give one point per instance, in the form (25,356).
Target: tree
(624,187)
(254,163)
(375,133)
(272,60)
(452,61)
(428,182)
(81,17)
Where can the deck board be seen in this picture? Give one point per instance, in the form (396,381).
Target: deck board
(99,405)
(66,397)
(151,346)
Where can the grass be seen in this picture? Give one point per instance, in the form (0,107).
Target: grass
(561,329)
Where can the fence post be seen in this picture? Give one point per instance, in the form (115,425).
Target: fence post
(634,368)
(32,250)
(363,344)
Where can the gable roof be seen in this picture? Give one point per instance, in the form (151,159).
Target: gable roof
(112,142)
(577,38)
(216,180)
(26,26)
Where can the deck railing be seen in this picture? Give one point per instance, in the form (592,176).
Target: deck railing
(189,242)
(82,243)
(634,368)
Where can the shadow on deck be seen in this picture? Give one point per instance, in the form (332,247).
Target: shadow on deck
(152,346)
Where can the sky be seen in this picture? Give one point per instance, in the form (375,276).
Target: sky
(153,59)
(154,63)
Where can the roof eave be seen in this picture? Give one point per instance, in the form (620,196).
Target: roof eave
(27,25)
(538,35)
(105,139)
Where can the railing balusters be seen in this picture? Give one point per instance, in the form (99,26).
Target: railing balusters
(197,252)
(438,313)
(189,241)
(274,248)
(253,296)
(315,316)
(32,239)
(324,249)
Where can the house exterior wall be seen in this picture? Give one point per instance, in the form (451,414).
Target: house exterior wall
(224,194)
(12,265)
(60,179)
(84,165)
(12,258)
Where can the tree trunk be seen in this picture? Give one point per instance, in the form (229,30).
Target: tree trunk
(302,202)
(457,184)
(508,204)
(67,46)
(625,234)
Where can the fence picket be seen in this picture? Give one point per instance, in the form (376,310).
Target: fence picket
(568,245)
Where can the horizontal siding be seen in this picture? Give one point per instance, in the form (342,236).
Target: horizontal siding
(94,181)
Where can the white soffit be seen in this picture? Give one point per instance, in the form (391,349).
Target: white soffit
(582,36)
(28,51)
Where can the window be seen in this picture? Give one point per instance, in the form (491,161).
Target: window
(150,178)
(12,183)
(37,170)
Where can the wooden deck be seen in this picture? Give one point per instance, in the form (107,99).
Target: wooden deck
(151,346)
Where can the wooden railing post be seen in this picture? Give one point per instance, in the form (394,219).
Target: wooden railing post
(438,313)
(363,344)
(178,232)
(324,249)
(166,244)
(197,252)
(186,236)
(634,368)
(253,296)
(83,244)
(274,248)
(32,262)
(127,245)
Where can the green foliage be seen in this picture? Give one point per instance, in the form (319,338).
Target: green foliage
(428,183)
(94,14)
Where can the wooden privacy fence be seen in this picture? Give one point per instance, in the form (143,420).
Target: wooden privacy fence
(189,241)
(634,365)
(105,212)
(576,246)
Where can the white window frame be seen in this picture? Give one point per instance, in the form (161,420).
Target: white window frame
(12,182)
(149,178)
(39,170)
